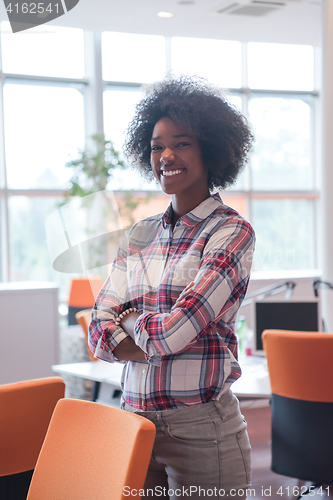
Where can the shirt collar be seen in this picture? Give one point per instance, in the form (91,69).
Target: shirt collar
(197,215)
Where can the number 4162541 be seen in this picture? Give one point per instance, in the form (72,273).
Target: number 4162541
(298,491)
(32,8)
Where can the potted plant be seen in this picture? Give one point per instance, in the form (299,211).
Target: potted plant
(106,216)
(92,172)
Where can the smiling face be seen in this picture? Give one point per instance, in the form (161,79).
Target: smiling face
(176,162)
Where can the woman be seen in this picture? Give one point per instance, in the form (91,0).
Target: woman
(168,309)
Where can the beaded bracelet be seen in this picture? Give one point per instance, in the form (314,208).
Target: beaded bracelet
(124,313)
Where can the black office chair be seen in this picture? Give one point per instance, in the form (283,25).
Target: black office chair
(300,366)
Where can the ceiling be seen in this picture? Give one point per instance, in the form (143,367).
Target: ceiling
(284,21)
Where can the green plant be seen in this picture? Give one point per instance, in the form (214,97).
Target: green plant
(91,210)
(93,169)
(92,173)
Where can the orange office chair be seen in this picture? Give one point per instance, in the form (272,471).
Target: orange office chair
(83,318)
(300,366)
(25,412)
(82,294)
(92,451)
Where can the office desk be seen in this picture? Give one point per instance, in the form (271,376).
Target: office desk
(253,384)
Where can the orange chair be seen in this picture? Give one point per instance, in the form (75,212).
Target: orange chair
(92,451)
(300,366)
(82,295)
(83,318)
(25,412)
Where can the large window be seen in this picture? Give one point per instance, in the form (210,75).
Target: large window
(133,58)
(47,94)
(43,129)
(44,51)
(42,94)
(282,157)
(280,66)
(219,61)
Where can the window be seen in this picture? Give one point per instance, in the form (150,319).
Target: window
(133,58)
(119,107)
(282,156)
(43,101)
(282,229)
(118,111)
(30,257)
(282,189)
(43,51)
(217,60)
(280,66)
(47,95)
(44,127)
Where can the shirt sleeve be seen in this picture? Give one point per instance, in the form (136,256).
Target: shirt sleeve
(113,299)
(219,288)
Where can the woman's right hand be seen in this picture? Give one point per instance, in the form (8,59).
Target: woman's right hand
(182,297)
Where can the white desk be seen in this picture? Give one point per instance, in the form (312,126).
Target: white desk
(105,375)
(253,384)
(98,371)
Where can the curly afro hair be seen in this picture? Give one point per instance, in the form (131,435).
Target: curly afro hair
(222,131)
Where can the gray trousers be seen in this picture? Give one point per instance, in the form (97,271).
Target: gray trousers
(201,451)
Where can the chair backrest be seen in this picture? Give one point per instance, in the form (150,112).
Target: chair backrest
(83,293)
(83,318)
(25,412)
(92,451)
(300,364)
(300,368)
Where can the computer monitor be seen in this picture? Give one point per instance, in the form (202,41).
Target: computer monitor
(286,315)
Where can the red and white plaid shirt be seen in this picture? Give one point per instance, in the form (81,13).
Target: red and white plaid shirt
(191,351)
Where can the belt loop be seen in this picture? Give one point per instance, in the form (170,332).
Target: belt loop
(219,409)
(160,422)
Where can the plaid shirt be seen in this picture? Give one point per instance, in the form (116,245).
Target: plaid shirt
(191,352)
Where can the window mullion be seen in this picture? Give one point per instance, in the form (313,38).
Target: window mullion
(5,247)
(244,66)
(168,64)
(245,110)
(93,98)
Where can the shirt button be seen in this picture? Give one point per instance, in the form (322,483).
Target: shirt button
(143,371)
